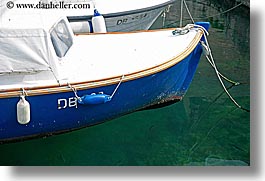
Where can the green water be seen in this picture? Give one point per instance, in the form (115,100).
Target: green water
(205,128)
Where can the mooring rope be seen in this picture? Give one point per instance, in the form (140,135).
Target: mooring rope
(187,8)
(209,57)
(223,12)
(181,13)
(207,50)
(198,18)
(224,77)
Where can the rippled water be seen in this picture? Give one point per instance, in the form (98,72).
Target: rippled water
(206,128)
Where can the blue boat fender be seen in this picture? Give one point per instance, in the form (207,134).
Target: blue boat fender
(94,99)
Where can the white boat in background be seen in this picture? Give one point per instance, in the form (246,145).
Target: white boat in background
(129,15)
(120,15)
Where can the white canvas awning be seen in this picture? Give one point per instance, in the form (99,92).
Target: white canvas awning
(25,45)
(23,50)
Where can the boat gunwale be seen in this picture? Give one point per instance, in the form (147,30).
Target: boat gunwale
(65,87)
(125,32)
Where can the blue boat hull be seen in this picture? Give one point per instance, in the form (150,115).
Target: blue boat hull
(60,112)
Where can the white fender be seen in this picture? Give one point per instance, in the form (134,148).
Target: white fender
(23,111)
(98,23)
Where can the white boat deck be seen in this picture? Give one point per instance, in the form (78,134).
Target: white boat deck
(103,56)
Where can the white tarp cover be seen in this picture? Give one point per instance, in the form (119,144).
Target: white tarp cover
(23,50)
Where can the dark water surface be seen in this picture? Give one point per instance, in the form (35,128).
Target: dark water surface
(205,128)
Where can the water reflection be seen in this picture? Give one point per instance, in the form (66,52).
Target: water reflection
(203,129)
(231,17)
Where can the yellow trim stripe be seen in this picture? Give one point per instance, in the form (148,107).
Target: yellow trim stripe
(104,82)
